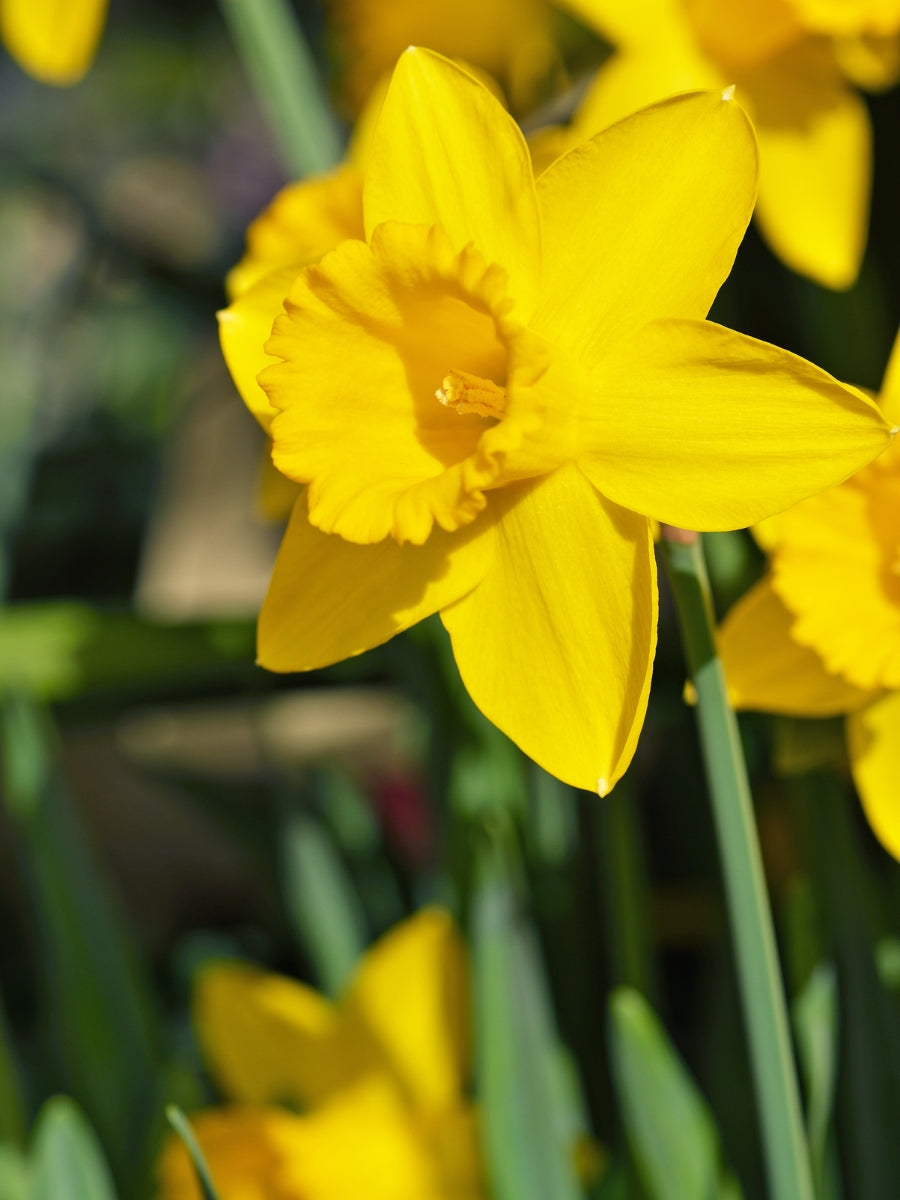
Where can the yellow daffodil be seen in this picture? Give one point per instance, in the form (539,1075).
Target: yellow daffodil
(491,395)
(376,1083)
(512,40)
(814,131)
(820,635)
(53,40)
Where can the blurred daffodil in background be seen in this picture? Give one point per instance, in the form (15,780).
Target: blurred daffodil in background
(820,634)
(512,40)
(53,40)
(460,392)
(794,63)
(362,1098)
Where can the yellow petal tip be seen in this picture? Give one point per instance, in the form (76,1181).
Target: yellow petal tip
(603,787)
(728,93)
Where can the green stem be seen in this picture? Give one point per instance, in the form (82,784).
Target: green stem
(759,976)
(271,45)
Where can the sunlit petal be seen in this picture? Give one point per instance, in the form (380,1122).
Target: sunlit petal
(815,164)
(770,671)
(706,428)
(410,995)
(244,328)
(612,261)
(445,152)
(556,644)
(330,599)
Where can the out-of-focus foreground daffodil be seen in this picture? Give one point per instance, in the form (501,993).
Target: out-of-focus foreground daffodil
(491,394)
(820,634)
(376,1083)
(512,40)
(790,60)
(53,40)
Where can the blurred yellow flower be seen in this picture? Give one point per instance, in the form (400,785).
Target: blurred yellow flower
(512,40)
(53,40)
(820,635)
(377,1082)
(491,395)
(814,131)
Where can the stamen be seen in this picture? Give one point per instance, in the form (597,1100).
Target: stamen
(470,394)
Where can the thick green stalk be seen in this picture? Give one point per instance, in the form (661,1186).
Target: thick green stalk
(759,975)
(270,43)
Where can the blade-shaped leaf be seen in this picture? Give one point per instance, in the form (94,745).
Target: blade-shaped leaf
(182,1127)
(527,1130)
(815,1014)
(67,1162)
(669,1127)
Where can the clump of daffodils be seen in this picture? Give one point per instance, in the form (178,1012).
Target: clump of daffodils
(491,395)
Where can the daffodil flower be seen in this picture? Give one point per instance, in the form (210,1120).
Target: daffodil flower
(512,40)
(53,40)
(820,634)
(491,396)
(375,1084)
(813,129)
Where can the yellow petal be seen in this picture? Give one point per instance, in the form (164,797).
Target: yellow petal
(770,671)
(873,737)
(329,599)
(54,40)
(612,260)
(268,1039)
(837,569)
(446,153)
(705,428)
(626,23)
(838,17)
(889,396)
(741,33)
(872,63)
(367,1143)
(244,328)
(635,77)
(371,336)
(815,164)
(303,222)
(510,39)
(249,1152)
(556,644)
(410,995)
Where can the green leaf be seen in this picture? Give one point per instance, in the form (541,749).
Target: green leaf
(14,1183)
(527,1115)
(669,1128)
(182,1127)
(67,1162)
(321,902)
(815,1013)
(95,993)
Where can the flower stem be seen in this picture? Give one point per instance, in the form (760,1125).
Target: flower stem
(271,45)
(759,975)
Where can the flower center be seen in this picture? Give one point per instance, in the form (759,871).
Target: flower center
(471,394)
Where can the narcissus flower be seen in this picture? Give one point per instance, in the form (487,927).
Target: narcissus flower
(53,40)
(820,634)
(491,396)
(790,60)
(512,40)
(376,1083)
